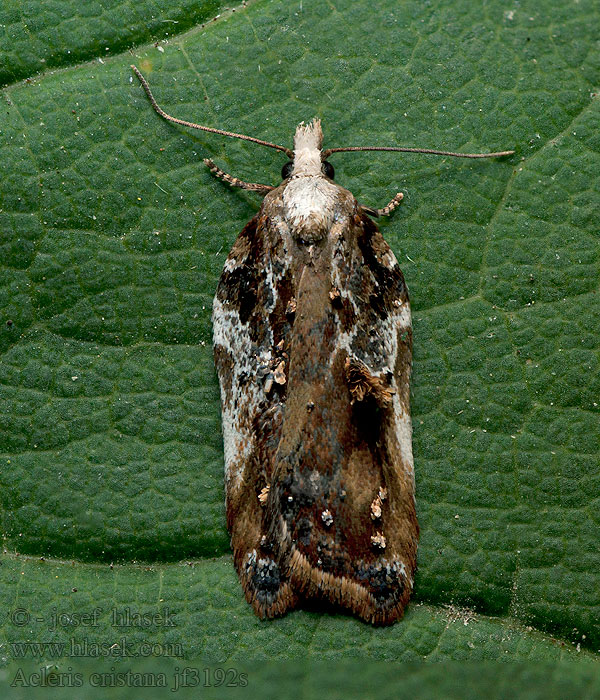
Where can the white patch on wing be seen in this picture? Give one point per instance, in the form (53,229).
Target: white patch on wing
(403,319)
(403,430)
(238,438)
(247,388)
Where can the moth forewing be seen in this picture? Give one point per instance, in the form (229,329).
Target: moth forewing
(313,346)
(246,357)
(347,438)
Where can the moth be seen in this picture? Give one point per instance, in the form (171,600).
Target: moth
(313,350)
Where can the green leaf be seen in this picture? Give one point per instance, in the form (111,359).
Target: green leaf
(197,611)
(112,238)
(36,36)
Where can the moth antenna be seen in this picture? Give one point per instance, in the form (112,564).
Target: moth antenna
(327,152)
(289,153)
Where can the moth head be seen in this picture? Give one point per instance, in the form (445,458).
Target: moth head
(307,160)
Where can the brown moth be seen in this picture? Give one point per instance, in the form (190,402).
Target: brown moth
(313,347)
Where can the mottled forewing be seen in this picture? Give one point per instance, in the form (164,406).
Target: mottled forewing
(250,319)
(378,371)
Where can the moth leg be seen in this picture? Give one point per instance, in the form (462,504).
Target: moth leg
(388,209)
(234,181)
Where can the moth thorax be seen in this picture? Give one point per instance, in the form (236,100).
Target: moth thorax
(309,207)
(308,140)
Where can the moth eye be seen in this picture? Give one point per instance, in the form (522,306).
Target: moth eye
(286,171)
(327,169)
